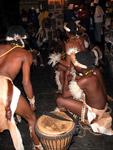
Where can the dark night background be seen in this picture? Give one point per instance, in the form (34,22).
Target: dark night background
(9,14)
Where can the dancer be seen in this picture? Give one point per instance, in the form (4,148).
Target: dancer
(77,43)
(74,44)
(13,58)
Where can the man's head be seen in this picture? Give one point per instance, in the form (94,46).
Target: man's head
(86,58)
(16,34)
(71,4)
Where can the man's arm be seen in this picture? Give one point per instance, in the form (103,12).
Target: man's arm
(75,62)
(26,78)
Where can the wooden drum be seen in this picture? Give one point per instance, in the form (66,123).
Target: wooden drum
(55,130)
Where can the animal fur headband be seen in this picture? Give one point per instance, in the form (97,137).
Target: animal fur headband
(15,32)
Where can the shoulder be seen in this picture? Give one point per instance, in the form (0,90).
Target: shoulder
(89,79)
(25,54)
(23,51)
(28,54)
(13,50)
(70,43)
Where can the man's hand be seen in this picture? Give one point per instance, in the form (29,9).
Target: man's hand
(32,103)
(8,113)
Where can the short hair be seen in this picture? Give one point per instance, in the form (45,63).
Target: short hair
(86,58)
(71,2)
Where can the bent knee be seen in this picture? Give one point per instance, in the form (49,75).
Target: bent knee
(60,101)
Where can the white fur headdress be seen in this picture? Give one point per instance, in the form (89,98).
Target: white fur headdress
(17,37)
(16,33)
(72,50)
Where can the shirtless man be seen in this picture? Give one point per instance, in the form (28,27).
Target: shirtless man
(74,44)
(87,98)
(13,58)
(77,42)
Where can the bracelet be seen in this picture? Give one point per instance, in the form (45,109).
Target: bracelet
(32,100)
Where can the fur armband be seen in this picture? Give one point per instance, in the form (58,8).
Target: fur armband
(32,100)
(72,50)
(75,90)
(54,58)
(73,73)
(57,79)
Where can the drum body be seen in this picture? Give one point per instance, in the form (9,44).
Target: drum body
(55,131)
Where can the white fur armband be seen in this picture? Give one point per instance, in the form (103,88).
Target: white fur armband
(75,90)
(32,100)
(72,50)
(54,58)
(57,79)
(76,63)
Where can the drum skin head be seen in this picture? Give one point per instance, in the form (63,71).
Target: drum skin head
(53,126)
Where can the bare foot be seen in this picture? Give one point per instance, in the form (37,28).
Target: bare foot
(38,147)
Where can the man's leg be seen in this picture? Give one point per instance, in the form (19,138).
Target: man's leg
(24,110)
(70,104)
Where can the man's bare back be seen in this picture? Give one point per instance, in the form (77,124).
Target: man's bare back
(95,94)
(12,58)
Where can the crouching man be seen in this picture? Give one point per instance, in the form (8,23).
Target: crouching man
(87,98)
(13,58)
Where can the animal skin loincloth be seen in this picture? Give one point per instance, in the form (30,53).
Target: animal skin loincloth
(99,120)
(9,124)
